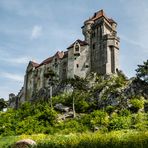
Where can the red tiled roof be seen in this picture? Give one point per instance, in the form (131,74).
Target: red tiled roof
(111,20)
(34,64)
(100,14)
(59,54)
(48,60)
(82,43)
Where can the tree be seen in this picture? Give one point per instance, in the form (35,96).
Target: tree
(77,83)
(3,104)
(52,81)
(142,71)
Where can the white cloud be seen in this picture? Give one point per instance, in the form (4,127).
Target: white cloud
(20,60)
(12,76)
(135,43)
(36,32)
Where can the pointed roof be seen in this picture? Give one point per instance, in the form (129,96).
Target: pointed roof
(82,43)
(34,64)
(100,14)
(59,54)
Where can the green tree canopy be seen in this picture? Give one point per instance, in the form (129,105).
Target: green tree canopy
(142,71)
(3,104)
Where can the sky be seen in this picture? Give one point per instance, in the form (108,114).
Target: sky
(36,29)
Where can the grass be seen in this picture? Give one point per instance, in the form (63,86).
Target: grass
(114,139)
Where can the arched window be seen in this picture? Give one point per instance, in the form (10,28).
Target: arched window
(77,48)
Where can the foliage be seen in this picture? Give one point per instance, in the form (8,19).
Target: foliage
(142,71)
(27,119)
(137,103)
(114,139)
(119,122)
(3,104)
(41,118)
(99,118)
(110,109)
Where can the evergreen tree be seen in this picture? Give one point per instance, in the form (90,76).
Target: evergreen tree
(3,104)
(142,71)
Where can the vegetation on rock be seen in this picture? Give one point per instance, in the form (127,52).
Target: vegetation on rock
(100,105)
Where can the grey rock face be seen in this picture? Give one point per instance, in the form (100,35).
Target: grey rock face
(61,107)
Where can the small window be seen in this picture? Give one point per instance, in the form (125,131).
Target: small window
(77,48)
(86,65)
(55,60)
(77,65)
(94,46)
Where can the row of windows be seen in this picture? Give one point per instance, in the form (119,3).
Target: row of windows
(86,65)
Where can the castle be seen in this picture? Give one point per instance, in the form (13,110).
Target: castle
(99,52)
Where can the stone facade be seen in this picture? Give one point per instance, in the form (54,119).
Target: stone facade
(99,52)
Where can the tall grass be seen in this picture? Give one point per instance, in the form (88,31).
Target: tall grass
(114,139)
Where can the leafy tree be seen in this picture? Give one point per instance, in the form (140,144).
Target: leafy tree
(110,109)
(142,71)
(52,81)
(78,84)
(3,104)
(137,104)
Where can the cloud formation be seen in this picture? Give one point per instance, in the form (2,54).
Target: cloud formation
(16,61)
(36,32)
(12,76)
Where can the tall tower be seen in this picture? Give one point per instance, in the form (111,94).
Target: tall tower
(101,35)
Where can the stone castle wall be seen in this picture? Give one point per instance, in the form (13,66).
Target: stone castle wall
(99,53)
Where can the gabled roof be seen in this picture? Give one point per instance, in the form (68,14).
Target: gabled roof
(46,61)
(100,14)
(58,54)
(82,43)
(34,64)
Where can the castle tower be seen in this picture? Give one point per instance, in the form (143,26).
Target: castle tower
(101,35)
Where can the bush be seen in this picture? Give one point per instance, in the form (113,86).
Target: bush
(125,112)
(110,109)
(28,119)
(137,104)
(119,122)
(99,119)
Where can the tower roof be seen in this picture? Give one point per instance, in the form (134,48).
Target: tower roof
(100,14)
(82,43)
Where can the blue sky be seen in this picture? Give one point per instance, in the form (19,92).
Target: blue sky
(36,29)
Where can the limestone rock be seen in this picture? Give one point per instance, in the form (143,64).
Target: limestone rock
(25,143)
(61,107)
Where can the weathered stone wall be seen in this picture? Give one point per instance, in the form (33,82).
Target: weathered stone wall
(104,46)
(78,61)
(63,68)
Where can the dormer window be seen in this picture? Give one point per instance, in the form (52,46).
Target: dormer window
(77,48)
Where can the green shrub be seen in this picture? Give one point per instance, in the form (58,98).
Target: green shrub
(119,122)
(99,119)
(137,103)
(125,112)
(110,109)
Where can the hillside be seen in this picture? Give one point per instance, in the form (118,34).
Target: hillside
(108,106)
